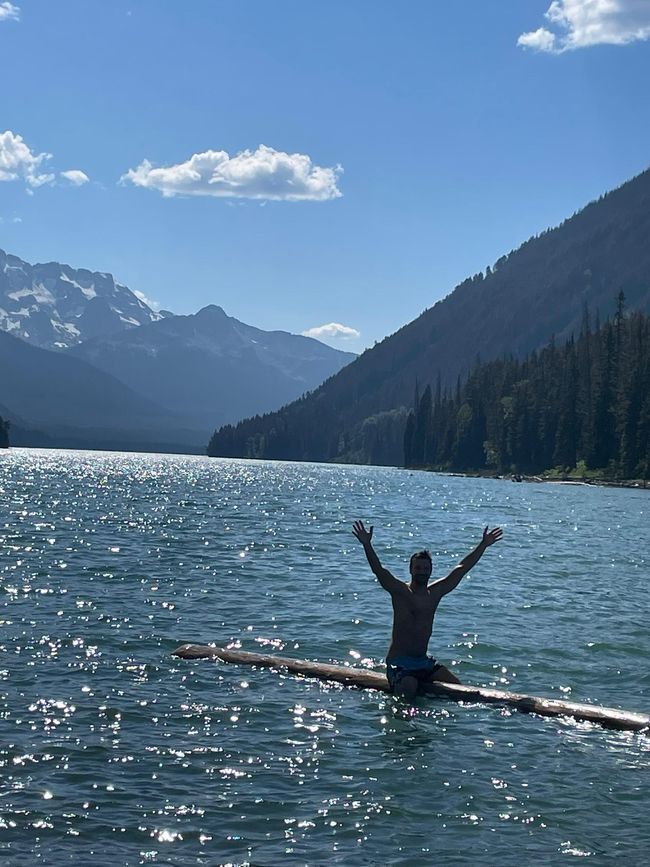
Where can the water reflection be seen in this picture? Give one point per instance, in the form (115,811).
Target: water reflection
(112,746)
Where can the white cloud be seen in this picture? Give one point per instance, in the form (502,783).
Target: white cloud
(9,12)
(148,301)
(332,331)
(17,161)
(541,40)
(261,174)
(582,23)
(75,176)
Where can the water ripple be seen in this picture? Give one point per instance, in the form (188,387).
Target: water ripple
(113,752)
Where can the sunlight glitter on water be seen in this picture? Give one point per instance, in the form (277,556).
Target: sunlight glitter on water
(111,745)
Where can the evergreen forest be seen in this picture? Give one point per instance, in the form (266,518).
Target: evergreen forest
(542,288)
(579,407)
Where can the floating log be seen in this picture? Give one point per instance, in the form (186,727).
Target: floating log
(360,677)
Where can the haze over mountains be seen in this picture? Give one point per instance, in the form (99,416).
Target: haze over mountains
(86,362)
(52,398)
(211,368)
(540,290)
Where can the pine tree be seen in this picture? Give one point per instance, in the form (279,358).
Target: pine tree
(585,402)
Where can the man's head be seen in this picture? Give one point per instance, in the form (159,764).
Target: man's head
(420,567)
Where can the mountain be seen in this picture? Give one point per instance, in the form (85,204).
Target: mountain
(583,405)
(540,290)
(162,374)
(55,306)
(73,404)
(212,368)
(20,433)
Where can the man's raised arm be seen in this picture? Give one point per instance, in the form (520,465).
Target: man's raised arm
(446,585)
(387,581)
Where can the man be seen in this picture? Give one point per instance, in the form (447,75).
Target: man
(408,667)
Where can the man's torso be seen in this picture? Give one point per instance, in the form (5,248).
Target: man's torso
(413,615)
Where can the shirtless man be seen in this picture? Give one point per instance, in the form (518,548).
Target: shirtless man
(408,667)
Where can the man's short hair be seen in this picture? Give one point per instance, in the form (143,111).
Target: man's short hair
(420,555)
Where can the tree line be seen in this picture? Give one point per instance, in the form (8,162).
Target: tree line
(4,433)
(537,290)
(583,405)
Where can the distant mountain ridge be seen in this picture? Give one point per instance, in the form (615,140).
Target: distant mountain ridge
(541,289)
(55,306)
(74,404)
(84,361)
(211,367)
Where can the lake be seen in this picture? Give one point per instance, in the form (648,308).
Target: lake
(114,752)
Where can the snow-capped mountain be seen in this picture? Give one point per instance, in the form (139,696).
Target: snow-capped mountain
(55,306)
(175,378)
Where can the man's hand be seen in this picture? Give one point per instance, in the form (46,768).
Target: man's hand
(363,535)
(388,582)
(491,536)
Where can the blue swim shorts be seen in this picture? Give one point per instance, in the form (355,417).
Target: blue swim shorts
(421,667)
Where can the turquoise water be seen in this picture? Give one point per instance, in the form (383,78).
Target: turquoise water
(113,752)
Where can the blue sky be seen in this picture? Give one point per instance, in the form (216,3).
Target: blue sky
(405,146)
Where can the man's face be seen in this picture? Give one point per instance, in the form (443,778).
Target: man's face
(420,570)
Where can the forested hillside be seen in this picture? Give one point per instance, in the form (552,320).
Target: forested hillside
(584,404)
(57,399)
(538,291)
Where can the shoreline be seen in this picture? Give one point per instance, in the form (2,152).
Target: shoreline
(634,484)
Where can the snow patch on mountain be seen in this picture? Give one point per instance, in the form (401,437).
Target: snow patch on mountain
(88,291)
(55,306)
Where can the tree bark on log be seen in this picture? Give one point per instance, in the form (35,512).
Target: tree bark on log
(360,677)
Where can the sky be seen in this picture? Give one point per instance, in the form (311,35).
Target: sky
(330,168)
